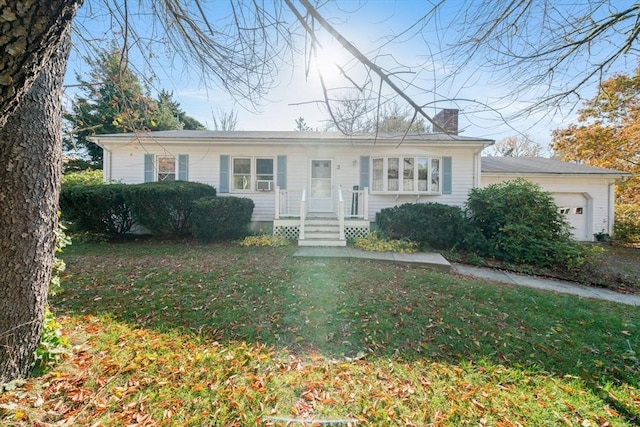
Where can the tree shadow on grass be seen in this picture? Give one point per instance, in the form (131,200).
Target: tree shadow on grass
(354,308)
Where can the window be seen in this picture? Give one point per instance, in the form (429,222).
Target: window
(392,174)
(409,174)
(241,174)
(435,175)
(166,168)
(378,175)
(253,174)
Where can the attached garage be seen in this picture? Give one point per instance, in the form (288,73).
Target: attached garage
(584,194)
(576,208)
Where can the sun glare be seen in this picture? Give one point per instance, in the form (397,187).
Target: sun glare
(326,63)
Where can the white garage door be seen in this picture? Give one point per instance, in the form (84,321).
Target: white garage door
(574,207)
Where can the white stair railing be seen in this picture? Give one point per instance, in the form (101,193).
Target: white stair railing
(276,214)
(303,213)
(341,213)
(365,203)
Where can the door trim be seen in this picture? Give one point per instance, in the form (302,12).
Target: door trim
(322,204)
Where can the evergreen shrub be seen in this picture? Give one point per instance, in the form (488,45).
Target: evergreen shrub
(96,209)
(518,222)
(221,218)
(433,225)
(165,208)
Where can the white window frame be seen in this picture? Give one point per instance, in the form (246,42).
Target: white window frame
(252,186)
(410,178)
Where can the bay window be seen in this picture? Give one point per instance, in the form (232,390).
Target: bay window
(406,174)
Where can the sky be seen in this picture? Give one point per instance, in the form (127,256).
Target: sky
(426,74)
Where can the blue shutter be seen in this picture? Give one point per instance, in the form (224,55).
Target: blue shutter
(364,172)
(446,175)
(183,167)
(148,168)
(224,174)
(281,180)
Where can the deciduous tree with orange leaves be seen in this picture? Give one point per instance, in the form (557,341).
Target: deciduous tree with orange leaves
(608,133)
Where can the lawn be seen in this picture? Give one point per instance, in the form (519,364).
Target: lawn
(219,335)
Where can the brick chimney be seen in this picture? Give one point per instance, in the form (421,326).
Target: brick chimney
(447,119)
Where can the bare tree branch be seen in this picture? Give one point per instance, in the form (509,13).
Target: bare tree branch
(364,59)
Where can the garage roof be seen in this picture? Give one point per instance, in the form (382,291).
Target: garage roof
(540,165)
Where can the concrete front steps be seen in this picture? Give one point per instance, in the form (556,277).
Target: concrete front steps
(323,232)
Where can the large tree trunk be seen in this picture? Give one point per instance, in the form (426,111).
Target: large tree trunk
(30,167)
(30,33)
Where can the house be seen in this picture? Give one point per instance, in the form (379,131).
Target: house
(325,188)
(584,194)
(317,187)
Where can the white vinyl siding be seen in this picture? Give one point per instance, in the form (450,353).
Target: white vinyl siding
(352,166)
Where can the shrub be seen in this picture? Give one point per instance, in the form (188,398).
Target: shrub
(264,240)
(85,177)
(53,346)
(519,222)
(429,224)
(375,243)
(221,218)
(165,208)
(626,227)
(96,209)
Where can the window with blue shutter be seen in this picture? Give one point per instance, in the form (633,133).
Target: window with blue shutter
(282,172)
(447,173)
(224,174)
(364,172)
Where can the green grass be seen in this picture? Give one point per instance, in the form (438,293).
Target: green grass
(221,335)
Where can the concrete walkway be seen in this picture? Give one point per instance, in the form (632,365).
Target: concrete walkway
(426,259)
(438,262)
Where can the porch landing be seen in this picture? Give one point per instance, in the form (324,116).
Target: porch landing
(430,260)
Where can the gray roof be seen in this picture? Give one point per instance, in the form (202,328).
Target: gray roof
(292,135)
(540,165)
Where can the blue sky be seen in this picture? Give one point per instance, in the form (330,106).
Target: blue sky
(427,74)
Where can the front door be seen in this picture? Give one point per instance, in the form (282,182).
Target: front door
(321,194)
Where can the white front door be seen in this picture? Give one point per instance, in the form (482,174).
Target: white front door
(321,194)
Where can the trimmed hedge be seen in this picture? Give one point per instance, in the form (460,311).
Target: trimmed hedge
(216,218)
(165,208)
(434,225)
(96,209)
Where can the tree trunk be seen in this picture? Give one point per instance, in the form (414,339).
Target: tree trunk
(30,33)
(30,168)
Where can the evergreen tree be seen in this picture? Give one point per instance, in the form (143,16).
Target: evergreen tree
(113,100)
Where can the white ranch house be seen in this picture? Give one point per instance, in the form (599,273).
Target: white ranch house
(324,188)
